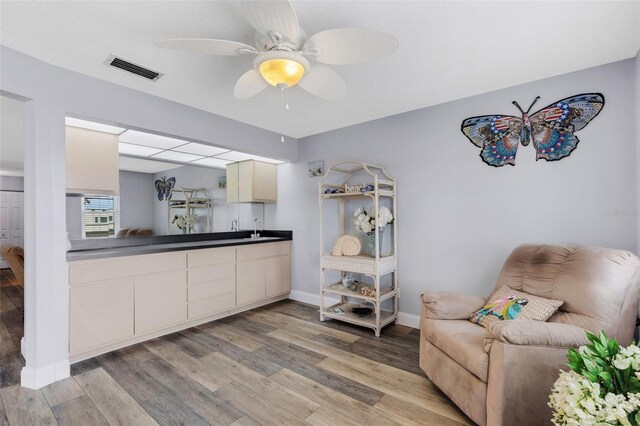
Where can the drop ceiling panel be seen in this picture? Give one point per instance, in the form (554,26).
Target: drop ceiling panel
(176,156)
(137,150)
(149,139)
(200,149)
(145,166)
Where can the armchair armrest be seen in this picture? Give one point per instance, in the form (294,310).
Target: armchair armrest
(535,333)
(450,306)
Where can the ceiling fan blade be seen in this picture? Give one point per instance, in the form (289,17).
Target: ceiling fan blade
(272,15)
(343,46)
(207,46)
(250,84)
(325,83)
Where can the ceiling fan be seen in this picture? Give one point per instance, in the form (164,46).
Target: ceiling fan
(283,51)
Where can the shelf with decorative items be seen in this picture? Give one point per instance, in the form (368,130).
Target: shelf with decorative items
(362,273)
(189,204)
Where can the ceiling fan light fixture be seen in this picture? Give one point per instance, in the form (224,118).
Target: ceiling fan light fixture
(281,69)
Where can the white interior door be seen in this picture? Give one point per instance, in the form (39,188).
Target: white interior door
(11,220)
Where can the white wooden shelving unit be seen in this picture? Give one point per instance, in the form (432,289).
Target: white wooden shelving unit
(190,202)
(384,187)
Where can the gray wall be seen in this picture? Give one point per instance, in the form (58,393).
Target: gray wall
(136,200)
(11,183)
(458,218)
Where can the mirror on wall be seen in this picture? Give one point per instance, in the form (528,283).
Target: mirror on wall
(150,168)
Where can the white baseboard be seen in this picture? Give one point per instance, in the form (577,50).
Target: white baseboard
(408,320)
(36,378)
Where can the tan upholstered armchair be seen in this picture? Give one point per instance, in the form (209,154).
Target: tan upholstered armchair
(503,375)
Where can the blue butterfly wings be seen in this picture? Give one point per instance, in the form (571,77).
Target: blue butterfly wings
(552,130)
(164,187)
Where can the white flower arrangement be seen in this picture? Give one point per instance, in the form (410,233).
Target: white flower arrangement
(182,221)
(603,387)
(366,222)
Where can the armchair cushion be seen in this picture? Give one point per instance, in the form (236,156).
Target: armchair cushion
(462,341)
(508,304)
(535,333)
(447,306)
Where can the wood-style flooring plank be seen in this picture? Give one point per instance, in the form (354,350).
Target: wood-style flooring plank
(168,410)
(80,411)
(114,403)
(241,322)
(414,415)
(255,406)
(203,402)
(249,359)
(415,396)
(185,363)
(347,406)
(221,331)
(279,395)
(84,366)
(26,407)
(325,349)
(140,385)
(295,324)
(62,391)
(346,386)
(245,421)
(324,416)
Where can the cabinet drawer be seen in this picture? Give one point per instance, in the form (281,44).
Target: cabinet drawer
(160,301)
(258,251)
(211,273)
(121,267)
(211,289)
(212,305)
(99,314)
(211,256)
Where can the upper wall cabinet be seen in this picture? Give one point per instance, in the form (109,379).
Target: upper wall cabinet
(92,162)
(251,181)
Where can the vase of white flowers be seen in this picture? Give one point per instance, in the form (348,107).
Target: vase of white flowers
(602,388)
(366,223)
(184,222)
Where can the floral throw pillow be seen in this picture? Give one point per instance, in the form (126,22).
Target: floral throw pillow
(508,304)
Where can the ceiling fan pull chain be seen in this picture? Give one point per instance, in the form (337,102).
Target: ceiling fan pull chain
(283,90)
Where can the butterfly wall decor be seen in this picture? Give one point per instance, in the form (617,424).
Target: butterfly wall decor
(164,187)
(552,129)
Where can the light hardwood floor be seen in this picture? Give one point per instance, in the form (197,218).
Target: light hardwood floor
(277,365)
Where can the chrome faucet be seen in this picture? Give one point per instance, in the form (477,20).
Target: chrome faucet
(255,228)
(234,225)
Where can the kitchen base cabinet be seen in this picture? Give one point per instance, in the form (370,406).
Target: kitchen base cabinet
(160,301)
(167,292)
(100,313)
(251,281)
(278,275)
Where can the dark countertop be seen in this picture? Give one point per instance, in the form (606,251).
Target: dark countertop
(100,248)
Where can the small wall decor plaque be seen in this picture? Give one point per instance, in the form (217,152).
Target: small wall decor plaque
(222,182)
(316,168)
(552,129)
(353,188)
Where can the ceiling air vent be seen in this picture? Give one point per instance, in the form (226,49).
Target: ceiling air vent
(127,66)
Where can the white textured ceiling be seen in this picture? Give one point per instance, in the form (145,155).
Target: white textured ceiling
(448,50)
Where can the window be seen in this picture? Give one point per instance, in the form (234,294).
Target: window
(99,213)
